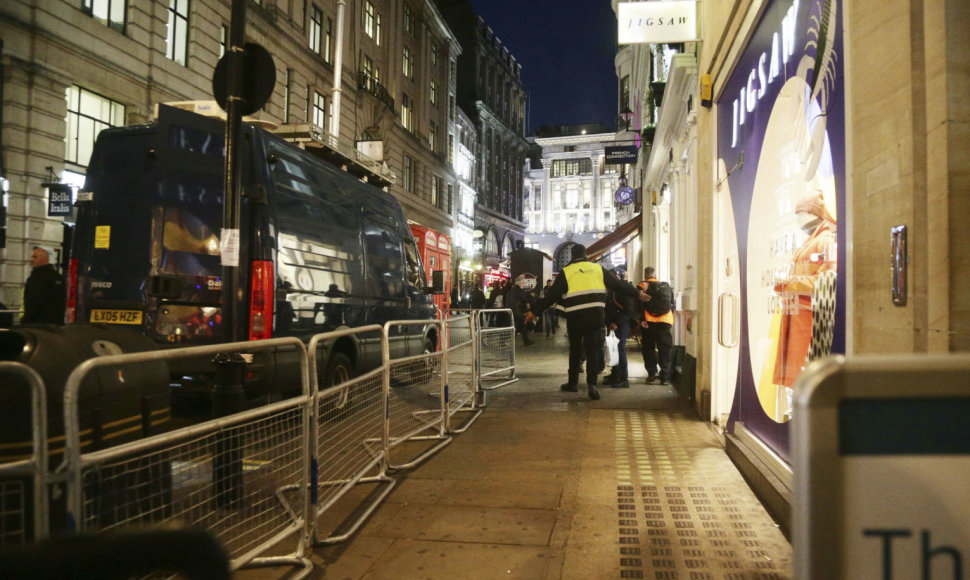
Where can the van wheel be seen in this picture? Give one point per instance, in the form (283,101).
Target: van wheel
(339,370)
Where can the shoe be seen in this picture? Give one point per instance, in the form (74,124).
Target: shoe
(594,395)
(566,387)
(664,381)
(609,380)
(624,384)
(651,379)
(528,341)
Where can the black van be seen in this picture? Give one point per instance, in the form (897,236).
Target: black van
(319,249)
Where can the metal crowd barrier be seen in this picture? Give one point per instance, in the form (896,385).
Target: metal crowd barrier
(242,477)
(415,388)
(496,349)
(24,514)
(461,387)
(254,478)
(348,444)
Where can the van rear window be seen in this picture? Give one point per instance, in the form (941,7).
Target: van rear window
(196,140)
(189,245)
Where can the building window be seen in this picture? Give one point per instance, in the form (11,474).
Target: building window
(434,55)
(435,190)
(319,110)
(408,176)
(433,136)
(316,28)
(177,31)
(111,13)
(87,115)
(408,64)
(538,197)
(406,111)
(370,20)
(625,93)
(433,93)
(566,167)
(408,20)
(328,40)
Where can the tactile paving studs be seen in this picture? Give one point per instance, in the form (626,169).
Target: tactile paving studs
(684,513)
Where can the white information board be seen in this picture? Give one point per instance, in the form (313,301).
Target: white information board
(881,460)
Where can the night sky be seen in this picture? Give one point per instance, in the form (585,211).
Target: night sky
(566,49)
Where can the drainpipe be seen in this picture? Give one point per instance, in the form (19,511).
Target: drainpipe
(338,69)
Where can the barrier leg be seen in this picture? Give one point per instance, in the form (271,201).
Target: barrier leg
(229,398)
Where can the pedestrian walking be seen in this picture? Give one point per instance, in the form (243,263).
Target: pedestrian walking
(476,298)
(656,321)
(582,288)
(44,298)
(549,319)
(621,314)
(519,300)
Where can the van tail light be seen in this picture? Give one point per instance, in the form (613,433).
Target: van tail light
(70,313)
(261,300)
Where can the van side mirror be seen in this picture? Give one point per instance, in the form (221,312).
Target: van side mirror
(437,282)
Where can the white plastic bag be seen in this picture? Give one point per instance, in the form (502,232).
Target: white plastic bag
(612,355)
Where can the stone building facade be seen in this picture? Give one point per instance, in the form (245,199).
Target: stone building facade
(69,71)
(490,91)
(568,196)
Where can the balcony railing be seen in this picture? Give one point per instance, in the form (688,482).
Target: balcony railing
(368,83)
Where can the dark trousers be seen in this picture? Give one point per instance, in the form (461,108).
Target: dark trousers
(621,370)
(655,344)
(588,341)
(549,321)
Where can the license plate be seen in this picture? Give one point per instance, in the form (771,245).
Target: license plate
(116,316)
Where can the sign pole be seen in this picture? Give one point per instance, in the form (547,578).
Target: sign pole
(229,240)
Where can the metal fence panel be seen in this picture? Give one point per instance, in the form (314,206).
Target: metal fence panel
(415,389)
(23,471)
(348,442)
(242,478)
(496,348)
(462,381)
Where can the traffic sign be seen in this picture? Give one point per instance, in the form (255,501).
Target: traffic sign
(259,78)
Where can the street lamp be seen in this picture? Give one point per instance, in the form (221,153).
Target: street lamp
(626,116)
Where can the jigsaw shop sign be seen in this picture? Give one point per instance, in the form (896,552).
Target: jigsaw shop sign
(657,22)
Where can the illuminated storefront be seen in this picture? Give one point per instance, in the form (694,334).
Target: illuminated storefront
(781,171)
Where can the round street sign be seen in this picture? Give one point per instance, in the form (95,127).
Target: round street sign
(259,78)
(624,195)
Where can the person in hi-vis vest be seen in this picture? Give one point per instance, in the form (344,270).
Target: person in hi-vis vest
(581,289)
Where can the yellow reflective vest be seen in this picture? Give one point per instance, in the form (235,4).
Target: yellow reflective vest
(584,287)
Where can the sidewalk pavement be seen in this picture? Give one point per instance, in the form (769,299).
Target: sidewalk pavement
(551,485)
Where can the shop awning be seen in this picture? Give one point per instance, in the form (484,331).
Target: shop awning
(620,235)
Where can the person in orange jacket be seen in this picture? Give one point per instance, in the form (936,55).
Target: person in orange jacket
(656,339)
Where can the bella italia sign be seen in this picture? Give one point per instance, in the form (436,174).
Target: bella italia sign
(657,22)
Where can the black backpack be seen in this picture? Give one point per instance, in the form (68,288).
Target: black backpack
(661,298)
